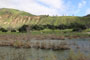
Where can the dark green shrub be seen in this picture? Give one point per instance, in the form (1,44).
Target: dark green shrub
(50,26)
(3,30)
(77,30)
(24,28)
(13,30)
(62,26)
(37,27)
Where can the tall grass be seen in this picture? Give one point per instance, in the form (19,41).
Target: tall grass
(77,56)
(21,54)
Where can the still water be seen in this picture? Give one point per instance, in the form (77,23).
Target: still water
(10,53)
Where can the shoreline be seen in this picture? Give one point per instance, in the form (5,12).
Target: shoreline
(39,37)
(38,44)
(24,41)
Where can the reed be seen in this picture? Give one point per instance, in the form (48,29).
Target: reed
(77,56)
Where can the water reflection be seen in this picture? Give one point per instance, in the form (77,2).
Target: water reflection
(10,53)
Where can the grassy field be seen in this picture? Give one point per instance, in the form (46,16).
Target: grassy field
(12,18)
(66,32)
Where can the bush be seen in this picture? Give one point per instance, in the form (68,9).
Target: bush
(24,28)
(62,26)
(13,30)
(77,56)
(77,25)
(51,27)
(3,30)
(77,29)
(37,27)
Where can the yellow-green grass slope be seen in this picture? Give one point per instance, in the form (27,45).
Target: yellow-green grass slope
(12,18)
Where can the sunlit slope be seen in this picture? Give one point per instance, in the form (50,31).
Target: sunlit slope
(15,18)
(11,18)
(8,11)
(64,20)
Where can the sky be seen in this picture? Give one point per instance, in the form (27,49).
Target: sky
(49,7)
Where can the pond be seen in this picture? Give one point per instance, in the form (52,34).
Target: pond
(11,53)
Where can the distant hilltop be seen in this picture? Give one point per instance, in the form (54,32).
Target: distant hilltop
(8,11)
(12,18)
(15,18)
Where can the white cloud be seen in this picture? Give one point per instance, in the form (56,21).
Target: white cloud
(34,7)
(81,4)
(87,11)
(58,4)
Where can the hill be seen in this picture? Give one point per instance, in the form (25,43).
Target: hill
(15,18)
(12,18)
(8,11)
(87,15)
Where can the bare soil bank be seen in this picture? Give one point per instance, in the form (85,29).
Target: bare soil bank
(37,37)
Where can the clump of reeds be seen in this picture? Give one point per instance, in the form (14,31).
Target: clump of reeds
(18,43)
(77,56)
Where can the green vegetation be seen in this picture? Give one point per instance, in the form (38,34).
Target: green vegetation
(8,11)
(21,54)
(15,21)
(66,33)
(19,25)
(87,30)
(77,56)
(46,32)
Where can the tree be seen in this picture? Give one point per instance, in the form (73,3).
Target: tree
(13,30)
(3,30)
(24,28)
(62,26)
(78,27)
(37,27)
(87,15)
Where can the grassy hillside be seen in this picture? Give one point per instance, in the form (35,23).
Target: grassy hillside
(8,11)
(14,18)
(64,20)
(11,18)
